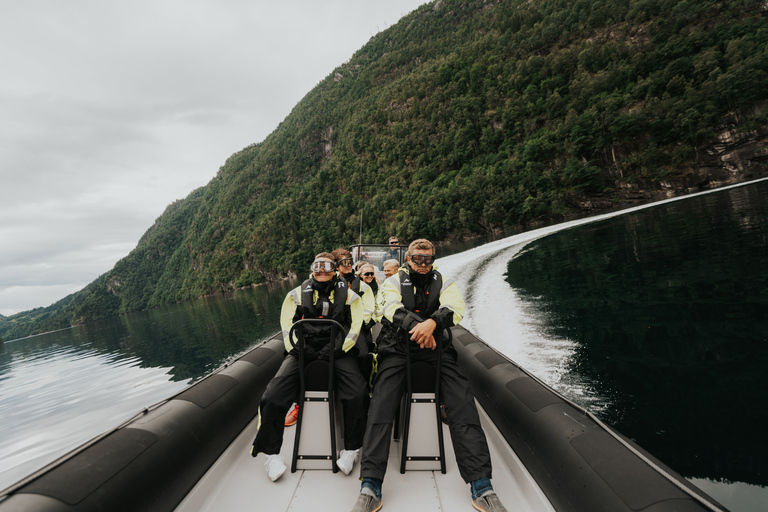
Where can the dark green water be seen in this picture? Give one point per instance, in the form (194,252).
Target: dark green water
(194,338)
(669,310)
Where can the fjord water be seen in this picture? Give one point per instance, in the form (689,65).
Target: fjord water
(60,389)
(654,319)
(667,313)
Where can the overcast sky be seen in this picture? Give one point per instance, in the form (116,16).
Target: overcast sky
(111,110)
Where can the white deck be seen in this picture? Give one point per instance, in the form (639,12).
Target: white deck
(238,482)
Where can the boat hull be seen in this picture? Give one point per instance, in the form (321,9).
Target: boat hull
(155,459)
(579,462)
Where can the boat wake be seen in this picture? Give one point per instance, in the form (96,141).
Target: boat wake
(520,331)
(517,327)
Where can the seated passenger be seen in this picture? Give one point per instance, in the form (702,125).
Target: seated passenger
(358,266)
(368,275)
(344,264)
(390,267)
(419,303)
(323,295)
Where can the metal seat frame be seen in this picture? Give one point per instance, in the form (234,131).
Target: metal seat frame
(297,327)
(409,400)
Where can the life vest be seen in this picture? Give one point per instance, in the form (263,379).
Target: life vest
(432,293)
(336,310)
(354,284)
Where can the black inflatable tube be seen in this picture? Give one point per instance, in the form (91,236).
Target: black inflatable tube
(153,461)
(579,463)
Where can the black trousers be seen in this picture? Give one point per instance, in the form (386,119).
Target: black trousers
(283,390)
(467,436)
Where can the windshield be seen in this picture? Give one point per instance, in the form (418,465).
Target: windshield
(377,254)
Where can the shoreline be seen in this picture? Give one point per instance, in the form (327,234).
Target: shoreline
(649,198)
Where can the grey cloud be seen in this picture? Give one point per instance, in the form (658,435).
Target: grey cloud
(113,110)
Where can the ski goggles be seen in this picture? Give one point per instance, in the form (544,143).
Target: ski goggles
(423,259)
(346,262)
(323,266)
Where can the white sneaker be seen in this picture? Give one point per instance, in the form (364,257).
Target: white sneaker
(275,466)
(347,460)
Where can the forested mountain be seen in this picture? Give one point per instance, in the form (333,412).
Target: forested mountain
(467,116)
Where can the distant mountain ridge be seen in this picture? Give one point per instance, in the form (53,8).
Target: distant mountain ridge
(466,117)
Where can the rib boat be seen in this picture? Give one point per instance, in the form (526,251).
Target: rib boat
(191,452)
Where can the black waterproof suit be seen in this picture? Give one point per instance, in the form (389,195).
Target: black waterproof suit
(409,298)
(312,299)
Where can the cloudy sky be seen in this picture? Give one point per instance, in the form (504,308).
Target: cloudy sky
(111,110)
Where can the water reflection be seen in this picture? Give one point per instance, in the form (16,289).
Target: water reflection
(196,337)
(54,397)
(60,389)
(667,308)
(563,296)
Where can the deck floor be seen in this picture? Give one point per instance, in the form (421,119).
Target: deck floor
(238,482)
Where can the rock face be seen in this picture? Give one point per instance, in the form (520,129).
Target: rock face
(318,144)
(740,151)
(737,154)
(113,287)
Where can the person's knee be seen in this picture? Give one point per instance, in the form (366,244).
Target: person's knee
(461,409)
(353,401)
(276,408)
(278,397)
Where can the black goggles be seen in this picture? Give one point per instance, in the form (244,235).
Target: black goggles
(346,262)
(422,259)
(323,266)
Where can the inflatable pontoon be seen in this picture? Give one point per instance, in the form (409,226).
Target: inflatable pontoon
(191,452)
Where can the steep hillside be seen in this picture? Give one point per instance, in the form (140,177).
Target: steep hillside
(466,117)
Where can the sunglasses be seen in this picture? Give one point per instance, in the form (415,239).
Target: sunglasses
(323,266)
(347,262)
(394,243)
(420,259)
(368,274)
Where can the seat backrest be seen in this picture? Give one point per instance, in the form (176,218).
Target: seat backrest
(422,377)
(316,376)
